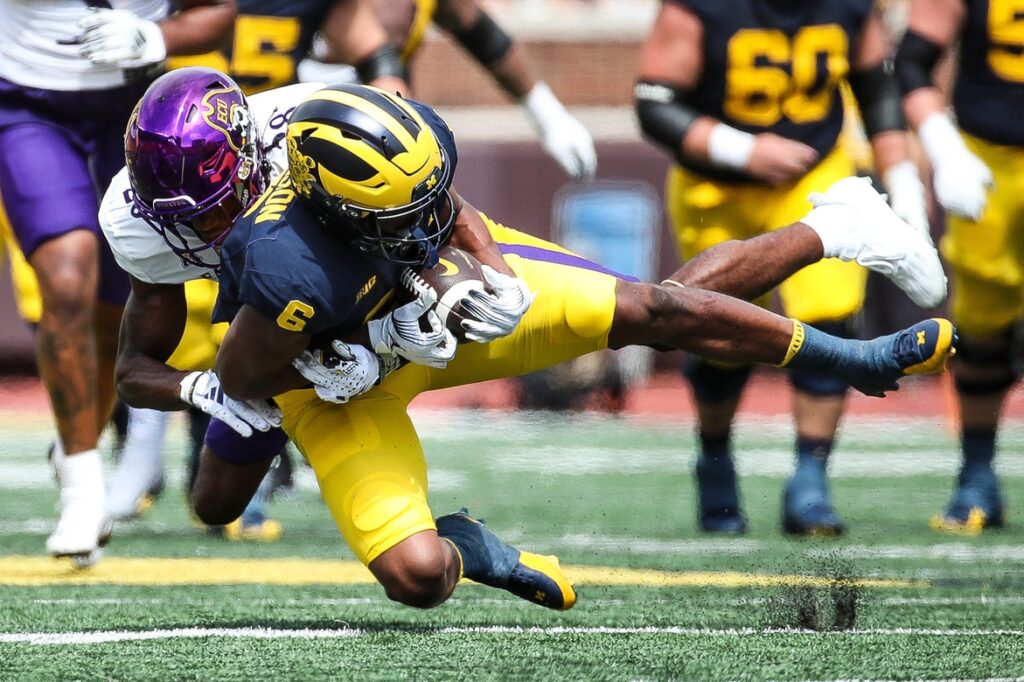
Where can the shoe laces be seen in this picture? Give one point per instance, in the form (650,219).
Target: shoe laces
(905,349)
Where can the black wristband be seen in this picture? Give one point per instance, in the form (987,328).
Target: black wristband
(663,113)
(915,61)
(879,100)
(485,40)
(384,61)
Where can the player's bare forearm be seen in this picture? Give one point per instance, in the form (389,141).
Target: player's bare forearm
(750,268)
(201,26)
(471,234)
(922,103)
(152,326)
(703,322)
(255,360)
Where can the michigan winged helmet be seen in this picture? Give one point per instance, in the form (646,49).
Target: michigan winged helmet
(373,170)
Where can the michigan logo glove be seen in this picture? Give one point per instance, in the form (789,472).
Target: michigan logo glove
(203,390)
(352,371)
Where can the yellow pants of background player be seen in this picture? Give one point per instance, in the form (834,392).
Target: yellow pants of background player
(23,277)
(706,212)
(366,453)
(987,256)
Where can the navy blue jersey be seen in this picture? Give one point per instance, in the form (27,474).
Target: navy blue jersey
(988,97)
(775,66)
(280,260)
(271,37)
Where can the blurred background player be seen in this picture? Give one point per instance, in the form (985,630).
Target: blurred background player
(976,176)
(70,74)
(270,38)
(745,95)
(563,137)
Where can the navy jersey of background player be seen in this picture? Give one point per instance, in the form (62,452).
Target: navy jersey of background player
(775,66)
(989,94)
(271,37)
(280,260)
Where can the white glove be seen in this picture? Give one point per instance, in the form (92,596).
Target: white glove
(906,195)
(120,37)
(961,179)
(354,371)
(203,390)
(400,332)
(496,315)
(561,135)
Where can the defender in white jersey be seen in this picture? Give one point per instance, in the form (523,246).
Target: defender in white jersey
(157,243)
(70,72)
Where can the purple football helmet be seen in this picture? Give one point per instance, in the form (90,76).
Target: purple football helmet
(194,159)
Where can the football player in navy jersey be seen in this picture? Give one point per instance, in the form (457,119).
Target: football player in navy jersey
(976,164)
(746,97)
(369,199)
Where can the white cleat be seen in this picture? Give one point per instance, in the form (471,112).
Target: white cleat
(141,467)
(856,224)
(82,527)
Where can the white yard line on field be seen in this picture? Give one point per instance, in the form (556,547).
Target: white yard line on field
(108,636)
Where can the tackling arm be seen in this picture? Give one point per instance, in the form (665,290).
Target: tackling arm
(154,320)
(471,234)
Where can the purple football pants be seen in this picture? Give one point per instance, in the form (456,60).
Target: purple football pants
(58,153)
(231,447)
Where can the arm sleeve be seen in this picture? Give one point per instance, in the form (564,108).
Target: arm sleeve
(878,96)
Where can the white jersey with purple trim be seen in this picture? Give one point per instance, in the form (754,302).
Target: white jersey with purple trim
(38,47)
(139,248)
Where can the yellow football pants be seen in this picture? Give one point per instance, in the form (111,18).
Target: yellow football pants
(366,453)
(705,212)
(987,255)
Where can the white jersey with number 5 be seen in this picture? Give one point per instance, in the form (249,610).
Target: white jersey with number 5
(139,248)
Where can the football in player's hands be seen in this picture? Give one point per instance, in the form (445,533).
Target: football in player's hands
(455,275)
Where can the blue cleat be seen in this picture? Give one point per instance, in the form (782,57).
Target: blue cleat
(873,367)
(718,505)
(806,508)
(976,505)
(489,561)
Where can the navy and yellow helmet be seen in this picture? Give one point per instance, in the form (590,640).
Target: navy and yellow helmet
(373,170)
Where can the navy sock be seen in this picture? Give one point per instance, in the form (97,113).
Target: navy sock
(813,450)
(716,446)
(979,447)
